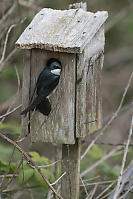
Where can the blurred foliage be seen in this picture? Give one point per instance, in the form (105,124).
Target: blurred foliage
(106,169)
(11,126)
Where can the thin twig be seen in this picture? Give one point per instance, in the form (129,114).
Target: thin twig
(105,190)
(118,189)
(8,176)
(112,144)
(20,188)
(97,183)
(6,40)
(18,79)
(123,196)
(83,184)
(58,179)
(48,165)
(111,119)
(93,192)
(7,58)
(5,43)
(8,113)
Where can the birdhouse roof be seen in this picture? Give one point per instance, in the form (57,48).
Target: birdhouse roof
(61,30)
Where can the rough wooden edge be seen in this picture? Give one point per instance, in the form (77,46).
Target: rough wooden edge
(50,48)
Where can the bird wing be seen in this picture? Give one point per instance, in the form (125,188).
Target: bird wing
(46,84)
(33,105)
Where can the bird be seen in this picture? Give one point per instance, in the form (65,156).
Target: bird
(47,81)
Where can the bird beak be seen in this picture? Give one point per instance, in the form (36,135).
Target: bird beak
(56,71)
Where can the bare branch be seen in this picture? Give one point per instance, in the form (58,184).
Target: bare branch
(84,186)
(92,192)
(7,59)
(5,44)
(8,113)
(58,179)
(105,190)
(118,187)
(6,40)
(18,79)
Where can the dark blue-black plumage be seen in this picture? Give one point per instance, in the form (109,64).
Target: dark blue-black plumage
(46,83)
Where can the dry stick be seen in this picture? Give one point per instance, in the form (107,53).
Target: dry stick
(84,186)
(29,160)
(99,196)
(126,193)
(93,192)
(7,58)
(18,79)
(21,188)
(118,187)
(90,179)
(114,144)
(6,40)
(106,195)
(8,113)
(111,153)
(8,175)
(112,118)
(5,43)
(97,183)
(48,165)
(58,179)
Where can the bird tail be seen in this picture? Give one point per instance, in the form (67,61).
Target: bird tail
(33,105)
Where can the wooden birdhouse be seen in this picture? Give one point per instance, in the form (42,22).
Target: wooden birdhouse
(76,38)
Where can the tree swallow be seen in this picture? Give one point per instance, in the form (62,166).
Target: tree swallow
(46,83)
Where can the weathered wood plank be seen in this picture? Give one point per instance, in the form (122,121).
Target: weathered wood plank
(59,126)
(25,91)
(88,106)
(61,30)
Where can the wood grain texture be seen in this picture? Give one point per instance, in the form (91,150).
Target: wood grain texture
(88,99)
(59,126)
(25,91)
(61,30)
(70,165)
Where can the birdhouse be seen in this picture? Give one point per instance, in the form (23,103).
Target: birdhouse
(75,38)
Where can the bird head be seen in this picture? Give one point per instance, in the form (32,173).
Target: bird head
(54,66)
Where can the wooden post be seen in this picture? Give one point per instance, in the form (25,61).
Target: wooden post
(71,154)
(71,166)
